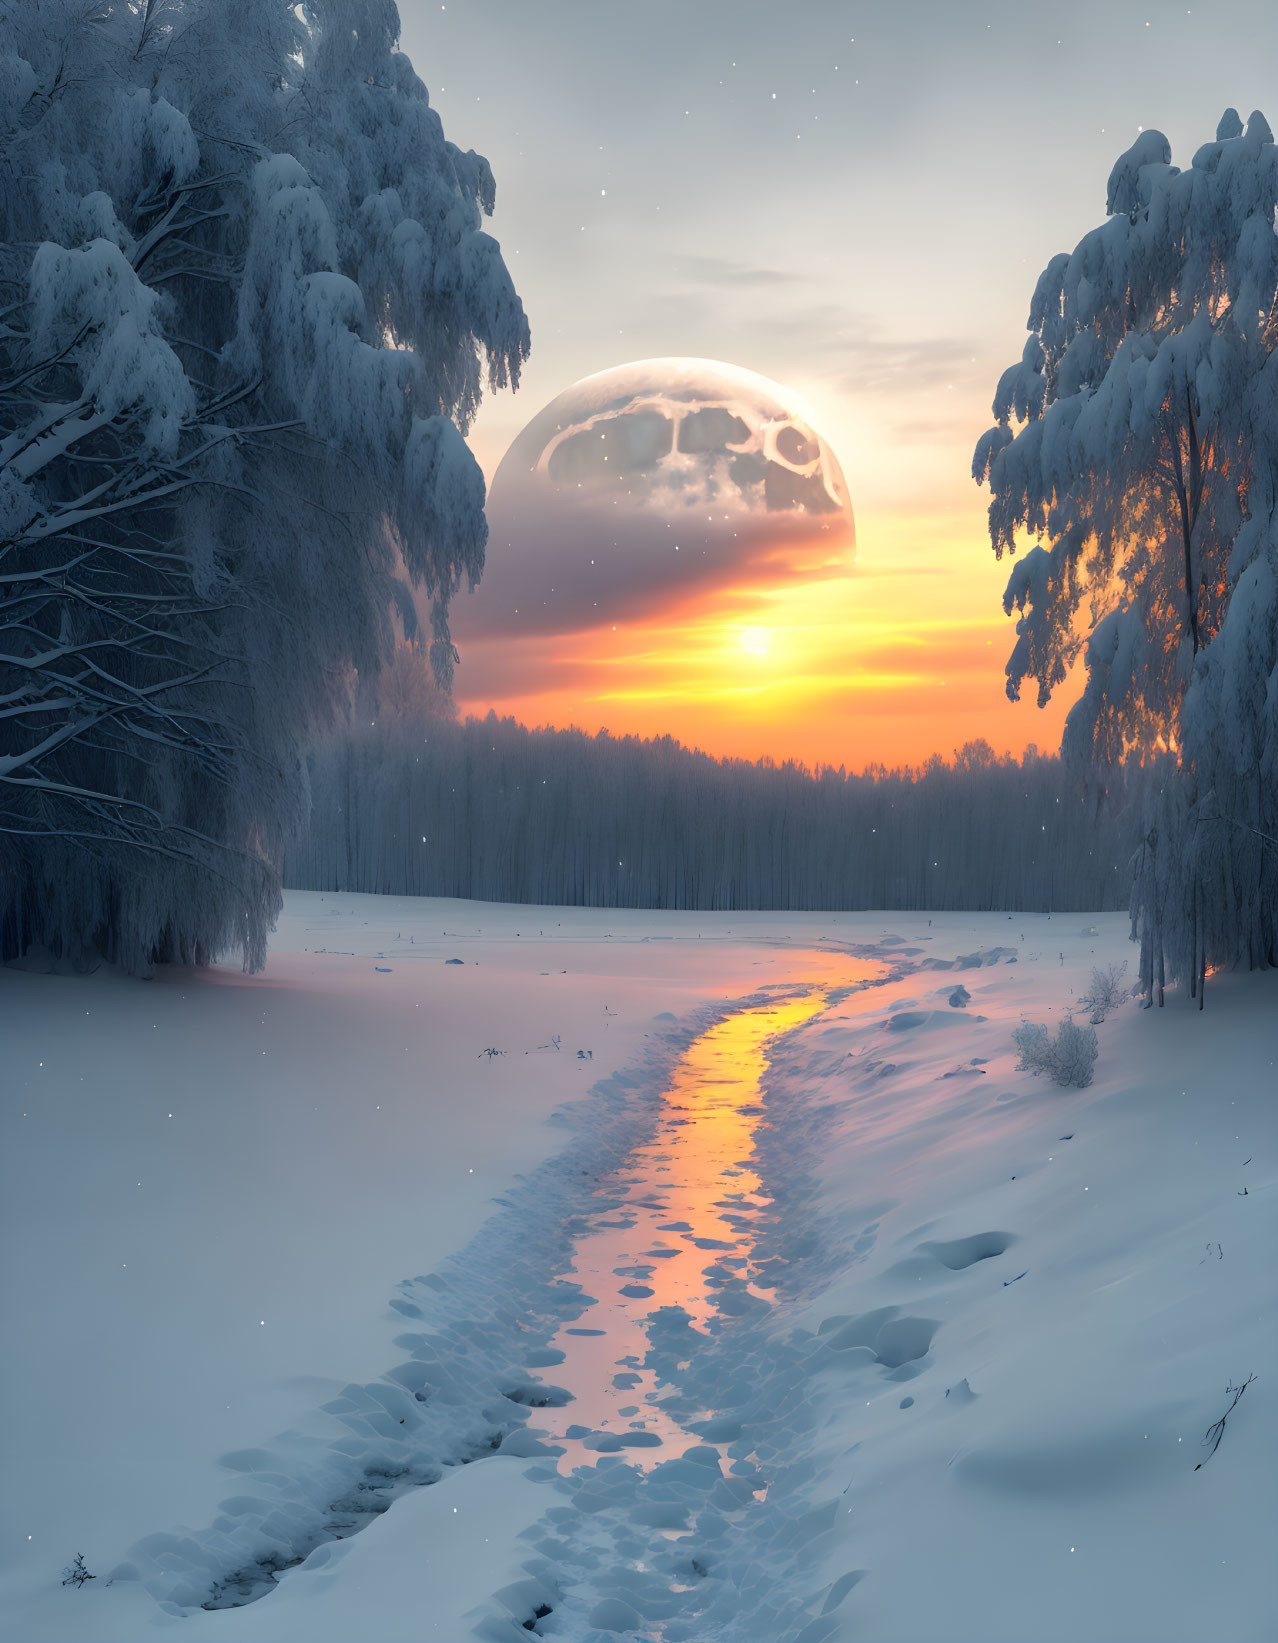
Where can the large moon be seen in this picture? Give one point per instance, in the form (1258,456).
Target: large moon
(651,483)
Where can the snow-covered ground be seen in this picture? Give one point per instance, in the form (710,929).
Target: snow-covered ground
(277,1249)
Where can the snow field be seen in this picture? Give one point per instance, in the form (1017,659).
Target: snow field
(215,1277)
(1057,1256)
(951,1389)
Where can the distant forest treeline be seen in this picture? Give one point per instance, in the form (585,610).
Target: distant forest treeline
(492,810)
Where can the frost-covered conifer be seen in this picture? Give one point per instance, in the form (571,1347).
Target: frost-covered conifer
(246,314)
(1137,442)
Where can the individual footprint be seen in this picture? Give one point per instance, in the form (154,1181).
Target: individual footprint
(960,1253)
(895,1342)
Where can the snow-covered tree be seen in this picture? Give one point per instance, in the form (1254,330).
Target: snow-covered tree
(246,314)
(1137,441)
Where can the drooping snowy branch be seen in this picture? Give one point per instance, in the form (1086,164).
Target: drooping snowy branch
(246,314)
(1136,443)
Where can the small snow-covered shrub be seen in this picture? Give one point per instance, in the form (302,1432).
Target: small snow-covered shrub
(1075,1055)
(1034,1045)
(1067,1059)
(1107,990)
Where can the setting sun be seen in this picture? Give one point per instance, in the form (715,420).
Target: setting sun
(706,583)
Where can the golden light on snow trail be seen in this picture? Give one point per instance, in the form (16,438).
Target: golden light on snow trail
(687,1201)
(703,1150)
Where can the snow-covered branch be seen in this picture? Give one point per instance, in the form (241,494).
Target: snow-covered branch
(1136,445)
(213,469)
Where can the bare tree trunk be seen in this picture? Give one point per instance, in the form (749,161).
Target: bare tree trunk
(1189,499)
(1193,936)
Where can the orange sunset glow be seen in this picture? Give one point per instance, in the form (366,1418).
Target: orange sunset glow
(672,552)
(899,658)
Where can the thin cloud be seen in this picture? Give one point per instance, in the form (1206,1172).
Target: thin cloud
(847,347)
(934,431)
(721,271)
(597,567)
(862,360)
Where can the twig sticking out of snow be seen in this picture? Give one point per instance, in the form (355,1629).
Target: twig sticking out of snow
(1216,1430)
(75,1574)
